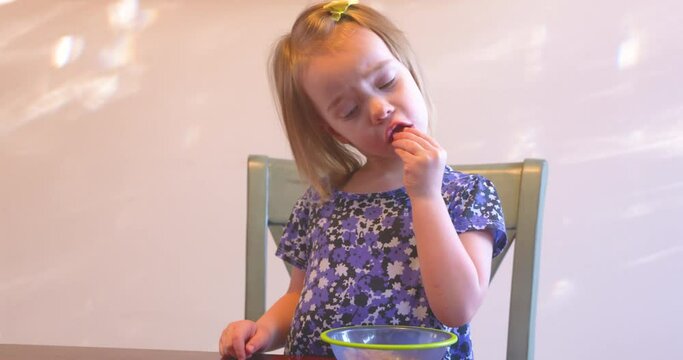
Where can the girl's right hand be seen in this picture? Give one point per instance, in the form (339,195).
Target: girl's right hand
(241,339)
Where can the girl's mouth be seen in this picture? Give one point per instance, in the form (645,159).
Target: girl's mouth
(397,129)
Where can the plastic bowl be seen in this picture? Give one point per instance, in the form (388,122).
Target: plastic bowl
(383,342)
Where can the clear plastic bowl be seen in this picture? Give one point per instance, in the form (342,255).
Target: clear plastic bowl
(387,342)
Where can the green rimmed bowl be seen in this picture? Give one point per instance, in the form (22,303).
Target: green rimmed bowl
(382,342)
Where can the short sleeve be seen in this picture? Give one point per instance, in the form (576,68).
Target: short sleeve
(475,206)
(294,246)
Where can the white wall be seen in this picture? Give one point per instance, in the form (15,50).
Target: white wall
(125,128)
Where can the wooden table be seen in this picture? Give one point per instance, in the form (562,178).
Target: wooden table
(46,352)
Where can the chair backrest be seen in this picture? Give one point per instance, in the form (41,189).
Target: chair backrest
(274,185)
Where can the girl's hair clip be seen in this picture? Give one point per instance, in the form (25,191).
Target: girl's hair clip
(339,7)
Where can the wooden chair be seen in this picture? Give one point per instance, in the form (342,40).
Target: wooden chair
(274,186)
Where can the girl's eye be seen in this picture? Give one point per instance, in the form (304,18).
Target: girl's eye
(349,114)
(388,84)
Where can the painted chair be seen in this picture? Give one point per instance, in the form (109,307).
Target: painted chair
(274,186)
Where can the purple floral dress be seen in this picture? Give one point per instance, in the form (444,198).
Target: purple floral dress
(358,252)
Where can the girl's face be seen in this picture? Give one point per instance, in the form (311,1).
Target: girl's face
(362,92)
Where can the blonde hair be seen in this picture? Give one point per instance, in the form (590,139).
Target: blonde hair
(321,160)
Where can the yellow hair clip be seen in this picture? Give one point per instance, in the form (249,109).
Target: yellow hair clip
(339,7)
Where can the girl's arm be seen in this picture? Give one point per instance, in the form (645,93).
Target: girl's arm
(243,338)
(455,269)
(279,316)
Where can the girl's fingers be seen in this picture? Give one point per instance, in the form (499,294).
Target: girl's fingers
(238,341)
(411,147)
(227,349)
(222,342)
(425,142)
(256,343)
(425,136)
(404,155)
(417,147)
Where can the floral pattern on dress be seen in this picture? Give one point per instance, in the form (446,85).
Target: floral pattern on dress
(359,256)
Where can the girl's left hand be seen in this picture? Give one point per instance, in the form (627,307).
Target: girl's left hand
(423,162)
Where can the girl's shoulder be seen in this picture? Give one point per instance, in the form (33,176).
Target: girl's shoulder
(305,205)
(456,182)
(310,197)
(311,200)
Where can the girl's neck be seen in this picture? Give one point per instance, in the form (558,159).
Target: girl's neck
(376,176)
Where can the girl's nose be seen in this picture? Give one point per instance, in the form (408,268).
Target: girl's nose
(381,110)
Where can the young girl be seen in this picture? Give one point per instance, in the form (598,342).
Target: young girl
(387,233)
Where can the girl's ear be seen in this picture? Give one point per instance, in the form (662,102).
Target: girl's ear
(335,134)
